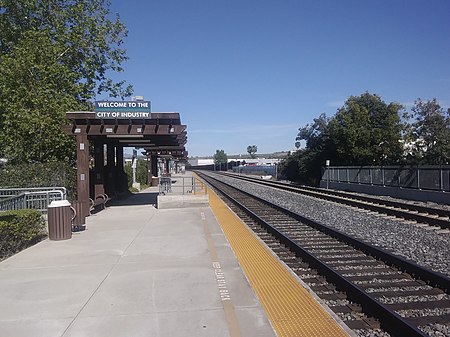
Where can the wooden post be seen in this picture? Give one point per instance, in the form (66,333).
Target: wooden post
(110,166)
(149,170)
(167,166)
(83,169)
(121,175)
(99,159)
(155,166)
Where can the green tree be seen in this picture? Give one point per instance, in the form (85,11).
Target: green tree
(289,167)
(315,135)
(367,131)
(429,137)
(319,148)
(220,158)
(252,149)
(89,39)
(35,92)
(141,173)
(55,56)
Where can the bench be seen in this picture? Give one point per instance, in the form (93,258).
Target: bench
(98,203)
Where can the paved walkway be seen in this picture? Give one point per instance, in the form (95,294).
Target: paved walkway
(135,271)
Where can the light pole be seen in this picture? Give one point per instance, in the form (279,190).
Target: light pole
(276,171)
(134,165)
(327,164)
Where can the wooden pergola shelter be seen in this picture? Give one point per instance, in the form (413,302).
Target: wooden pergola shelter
(161,135)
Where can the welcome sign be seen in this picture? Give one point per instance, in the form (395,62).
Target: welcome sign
(122,109)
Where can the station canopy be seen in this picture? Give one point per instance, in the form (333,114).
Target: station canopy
(158,133)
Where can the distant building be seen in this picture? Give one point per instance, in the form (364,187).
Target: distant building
(200,162)
(248,161)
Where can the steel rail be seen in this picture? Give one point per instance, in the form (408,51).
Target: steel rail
(391,203)
(390,320)
(369,203)
(434,278)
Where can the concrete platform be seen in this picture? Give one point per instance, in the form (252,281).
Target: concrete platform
(180,201)
(185,191)
(135,271)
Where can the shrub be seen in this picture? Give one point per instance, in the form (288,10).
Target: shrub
(133,190)
(141,173)
(40,175)
(19,230)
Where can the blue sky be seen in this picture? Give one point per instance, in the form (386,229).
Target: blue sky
(249,72)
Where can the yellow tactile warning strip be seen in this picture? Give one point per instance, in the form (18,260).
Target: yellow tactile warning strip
(291,310)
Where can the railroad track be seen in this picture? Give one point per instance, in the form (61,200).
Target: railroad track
(364,285)
(420,214)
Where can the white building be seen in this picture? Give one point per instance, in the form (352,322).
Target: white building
(201,162)
(255,161)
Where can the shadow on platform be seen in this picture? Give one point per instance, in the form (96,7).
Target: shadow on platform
(143,198)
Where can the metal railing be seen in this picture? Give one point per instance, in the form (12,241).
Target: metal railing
(9,192)
(36,199)
(436,178)
(181,186)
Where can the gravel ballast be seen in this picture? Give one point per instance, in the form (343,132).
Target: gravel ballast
(423,245)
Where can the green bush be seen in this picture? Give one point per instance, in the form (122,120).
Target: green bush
(40,175)
(129,172)
(19,230)
(141,173)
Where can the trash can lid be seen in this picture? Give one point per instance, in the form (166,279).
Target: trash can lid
(59,203)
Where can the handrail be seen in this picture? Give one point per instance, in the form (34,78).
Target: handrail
(181,186)
(9,192)
(13,203)
(32,200)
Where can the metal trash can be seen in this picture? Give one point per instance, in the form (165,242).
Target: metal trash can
(60,216)
(155,181)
